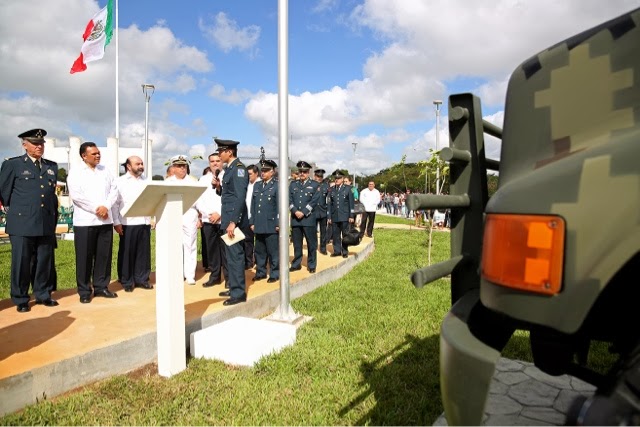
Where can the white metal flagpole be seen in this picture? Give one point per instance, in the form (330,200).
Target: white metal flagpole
(117,93)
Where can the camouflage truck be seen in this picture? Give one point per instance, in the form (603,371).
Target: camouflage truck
(556,250)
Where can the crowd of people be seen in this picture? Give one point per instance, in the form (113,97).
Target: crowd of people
(237,215)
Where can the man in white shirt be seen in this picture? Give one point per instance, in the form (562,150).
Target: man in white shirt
(209,207)
(370,198)
(190,221)
(134,250)
(93,192)
(249,249)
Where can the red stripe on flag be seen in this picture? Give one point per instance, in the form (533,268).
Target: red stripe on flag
(87,31)
(78,65)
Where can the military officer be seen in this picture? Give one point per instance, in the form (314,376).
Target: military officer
(233,191)
(28,194)
(341,212)
(304,195)
(321,209)
(264,223)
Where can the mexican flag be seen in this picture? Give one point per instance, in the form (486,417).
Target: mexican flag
(96,37)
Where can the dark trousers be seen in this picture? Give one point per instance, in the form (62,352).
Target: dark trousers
(23,250)
(311,237)
(267,253)
(339,229)
(53,276)
(322,224)
(249,250)
(93,246)
(216,258)
(235,264)
(134,255)
(203,249)
(368,219)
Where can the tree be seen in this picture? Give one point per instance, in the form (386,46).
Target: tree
(62,175)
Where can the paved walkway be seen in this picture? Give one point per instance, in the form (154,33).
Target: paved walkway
(51,350)
(521,394)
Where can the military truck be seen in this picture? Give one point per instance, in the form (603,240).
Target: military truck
(556,250)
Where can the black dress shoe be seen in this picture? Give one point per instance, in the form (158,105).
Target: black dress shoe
(105,293)
(225,294)
(334,255)
(234,301)
(128,288)
(345,255)
(85,300)
(312,270)
(144,285)
(49,302)
(323,252)
(210,283)
(272,280)
(295,268)
(23,308)
(256,278)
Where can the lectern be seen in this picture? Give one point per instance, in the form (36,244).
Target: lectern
(168,200)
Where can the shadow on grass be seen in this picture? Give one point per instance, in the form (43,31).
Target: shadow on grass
(404,383)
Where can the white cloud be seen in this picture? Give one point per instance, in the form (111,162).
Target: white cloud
(227,35)
(428,47)
(234,96)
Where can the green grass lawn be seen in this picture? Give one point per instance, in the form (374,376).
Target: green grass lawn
(368,357)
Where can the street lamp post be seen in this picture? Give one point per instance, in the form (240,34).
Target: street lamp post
(437,103)
(148,90)
(355,145)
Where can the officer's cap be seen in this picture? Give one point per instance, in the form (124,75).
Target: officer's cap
(303,166)
(34,136)
(225,144)
(319,172)
(268,165)
(179,160)
(338,174)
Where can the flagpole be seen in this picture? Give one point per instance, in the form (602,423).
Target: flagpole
(117,93)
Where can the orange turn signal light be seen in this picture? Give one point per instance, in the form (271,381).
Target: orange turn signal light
(524,252)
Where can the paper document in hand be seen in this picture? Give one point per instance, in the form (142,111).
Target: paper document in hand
(238,236)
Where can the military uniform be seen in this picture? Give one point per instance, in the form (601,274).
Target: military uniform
(321,212)
(234,209)
(341,209)
(27,191)
(303,197)
(264,219)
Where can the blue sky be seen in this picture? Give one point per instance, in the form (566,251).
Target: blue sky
(360,71)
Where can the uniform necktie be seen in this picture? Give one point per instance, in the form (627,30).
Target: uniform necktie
(38,164)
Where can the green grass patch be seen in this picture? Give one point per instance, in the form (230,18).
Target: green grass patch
(392,219)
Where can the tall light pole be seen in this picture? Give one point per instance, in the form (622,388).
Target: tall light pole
(148,90)
(355,145)
(437,103)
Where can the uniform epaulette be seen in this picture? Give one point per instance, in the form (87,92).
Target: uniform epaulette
(240,164)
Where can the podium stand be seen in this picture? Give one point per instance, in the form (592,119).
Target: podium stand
(168,200)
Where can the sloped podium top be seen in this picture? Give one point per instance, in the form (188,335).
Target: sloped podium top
(153,192)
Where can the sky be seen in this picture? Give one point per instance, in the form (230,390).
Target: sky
(362,73)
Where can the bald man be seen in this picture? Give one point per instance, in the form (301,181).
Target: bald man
(134,250)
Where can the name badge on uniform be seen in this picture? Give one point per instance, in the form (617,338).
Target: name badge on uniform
(27,173)
(241,173)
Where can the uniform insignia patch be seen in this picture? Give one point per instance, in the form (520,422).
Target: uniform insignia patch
(241,173)
(27,173)
(49,171)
